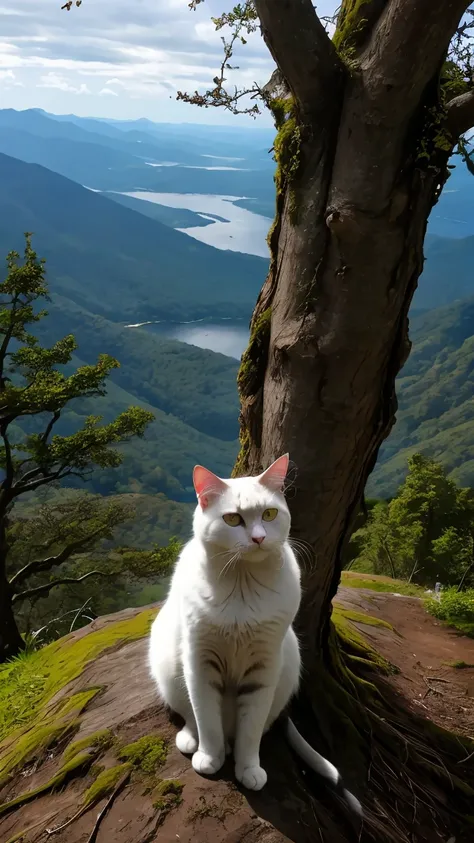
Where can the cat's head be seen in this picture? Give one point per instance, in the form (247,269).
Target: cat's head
(248,515)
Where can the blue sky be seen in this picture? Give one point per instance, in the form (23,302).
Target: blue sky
(119,58)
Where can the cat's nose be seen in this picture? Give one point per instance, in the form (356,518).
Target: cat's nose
(258,539)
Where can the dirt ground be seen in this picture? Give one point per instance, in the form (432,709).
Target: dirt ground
(216,811)
(423,650)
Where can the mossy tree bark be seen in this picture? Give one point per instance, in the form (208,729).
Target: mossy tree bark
(365,135)
(362,159)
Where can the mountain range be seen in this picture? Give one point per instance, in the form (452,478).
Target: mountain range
(117,262)
(128,160)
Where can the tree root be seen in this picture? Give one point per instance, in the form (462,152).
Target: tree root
(415,791)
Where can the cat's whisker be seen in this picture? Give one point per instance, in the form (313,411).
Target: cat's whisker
(303,551)
(233,559)
(219,554)
(226,552)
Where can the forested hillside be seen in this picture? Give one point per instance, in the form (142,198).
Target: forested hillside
(118,263)
(436,399)
(191,391)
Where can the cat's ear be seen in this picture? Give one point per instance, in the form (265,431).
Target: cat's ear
(207,485)
(274,477)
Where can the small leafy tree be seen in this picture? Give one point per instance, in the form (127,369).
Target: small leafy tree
(56,547)
(426,532)
(33,393)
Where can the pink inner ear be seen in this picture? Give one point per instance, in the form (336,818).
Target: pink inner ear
(206,484)
(274,476)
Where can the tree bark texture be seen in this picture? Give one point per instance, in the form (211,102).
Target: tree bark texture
(363,157)
(11,642)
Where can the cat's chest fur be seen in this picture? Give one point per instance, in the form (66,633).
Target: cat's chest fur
(248,599)
(240,604)
(237,652)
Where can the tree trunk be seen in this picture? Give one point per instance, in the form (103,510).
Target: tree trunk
(464,576)
(415,570)
(361,160)
(356,183)
(390,560)
(342,279)
(11,642)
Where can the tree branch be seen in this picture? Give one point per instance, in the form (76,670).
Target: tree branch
(46,588)
(466,154)
(8,334)
(242,20)
(40,565)
(20,488)
(55,417)
(407,47)
(9,468)
(302,50)
(461,114)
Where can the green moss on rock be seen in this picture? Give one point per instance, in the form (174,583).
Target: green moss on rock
(96,742)
(361,617)
(73,767)
(105,783)
(146,754)
(29,682)
(356,579)
(44,732)
(354,643)
(167,794)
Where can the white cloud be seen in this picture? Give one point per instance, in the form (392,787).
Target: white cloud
(4,10)
(146,50)
(54,80)
(8,79)
(108,92)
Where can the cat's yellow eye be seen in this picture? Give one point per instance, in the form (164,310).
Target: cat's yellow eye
(270,514)
(233,519)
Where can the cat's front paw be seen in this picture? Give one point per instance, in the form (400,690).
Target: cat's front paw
(207,765)
(186,742)
(253,778)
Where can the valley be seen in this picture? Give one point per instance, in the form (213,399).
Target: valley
(154,238)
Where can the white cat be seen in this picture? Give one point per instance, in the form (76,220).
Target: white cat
(222,649)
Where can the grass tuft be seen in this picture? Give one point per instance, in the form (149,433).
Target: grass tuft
(353,579)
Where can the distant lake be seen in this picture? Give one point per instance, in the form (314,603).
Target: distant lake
(226,336)
(242,231)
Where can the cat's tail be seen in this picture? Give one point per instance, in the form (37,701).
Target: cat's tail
(320,765)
